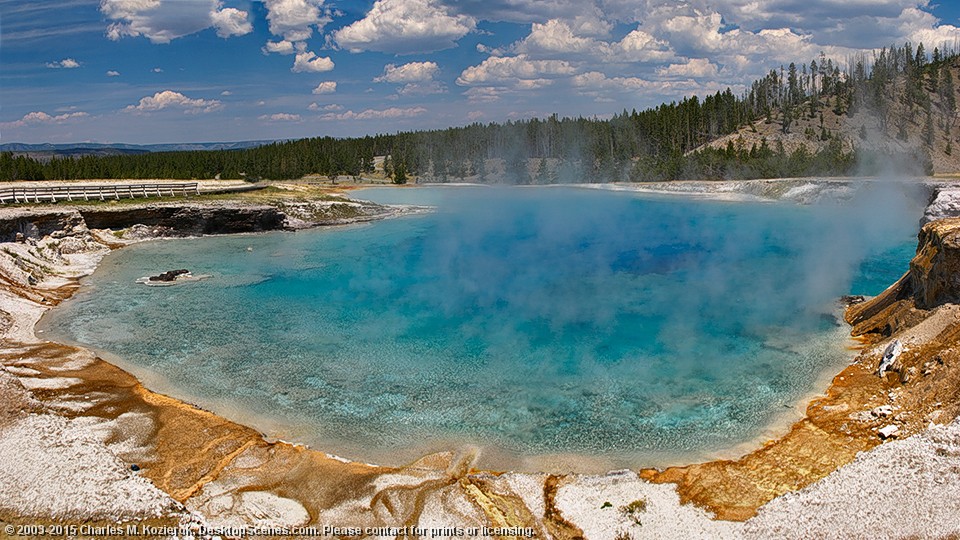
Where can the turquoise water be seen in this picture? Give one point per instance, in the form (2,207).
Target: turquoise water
(532,321)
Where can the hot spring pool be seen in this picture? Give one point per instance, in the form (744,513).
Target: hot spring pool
(530,322)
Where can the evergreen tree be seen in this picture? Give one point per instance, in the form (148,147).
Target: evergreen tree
(388,166)
(400,173)
(543,175)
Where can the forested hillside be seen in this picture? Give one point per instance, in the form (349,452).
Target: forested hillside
(819,118)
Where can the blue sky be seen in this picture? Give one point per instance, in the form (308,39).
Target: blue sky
(150,71)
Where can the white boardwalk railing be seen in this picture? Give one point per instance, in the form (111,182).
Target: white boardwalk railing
(102,193)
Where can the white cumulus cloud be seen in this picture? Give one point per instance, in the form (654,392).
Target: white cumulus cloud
(230,22)
(168,99)
(417,78)
(408,73)
(163,21)
(555,36)
(308,62)
(697,68)
(278,47)
(113,73)
(598,85)
(639,46)
(588,14)
(404,27)
(921,27)
(326,87)
(295,20)
(500,69)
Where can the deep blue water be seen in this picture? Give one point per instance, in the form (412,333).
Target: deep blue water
(536,321)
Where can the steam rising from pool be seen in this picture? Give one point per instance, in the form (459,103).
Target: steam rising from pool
(536,321)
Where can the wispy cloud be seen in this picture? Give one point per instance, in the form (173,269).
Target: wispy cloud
(40,117)
(377,114)
(66,63)
(280,117)
(329,107)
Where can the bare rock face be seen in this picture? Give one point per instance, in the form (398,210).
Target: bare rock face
(935,270)
(16,225)
(933,280)
(944,204)
(182,220)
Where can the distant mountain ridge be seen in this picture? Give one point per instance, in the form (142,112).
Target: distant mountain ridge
(74,148)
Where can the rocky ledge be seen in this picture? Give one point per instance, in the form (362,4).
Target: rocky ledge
(151,220)
(188,220)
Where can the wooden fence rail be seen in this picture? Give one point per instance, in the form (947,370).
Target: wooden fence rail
(86,193)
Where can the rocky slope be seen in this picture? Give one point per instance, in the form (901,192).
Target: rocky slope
(900,129)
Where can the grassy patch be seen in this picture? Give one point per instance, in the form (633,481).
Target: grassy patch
(634,510)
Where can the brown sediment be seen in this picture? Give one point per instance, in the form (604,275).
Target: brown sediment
(558,526)
(814,447)
(501,510)
(922,388)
